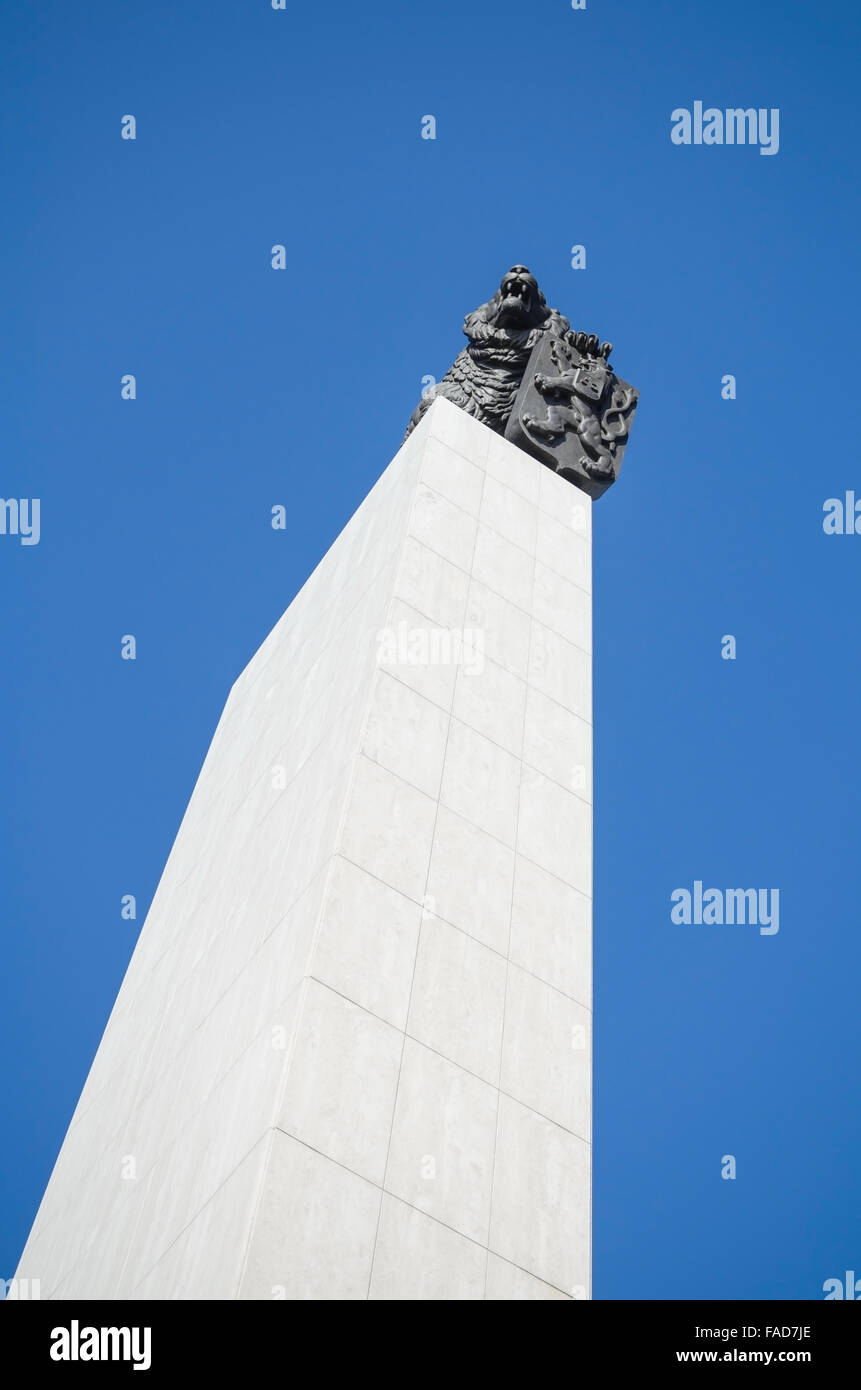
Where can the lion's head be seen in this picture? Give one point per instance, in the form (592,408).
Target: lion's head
(516,314)
(486,376)
(518,303)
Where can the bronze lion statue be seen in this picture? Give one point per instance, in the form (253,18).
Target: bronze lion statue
(485,378)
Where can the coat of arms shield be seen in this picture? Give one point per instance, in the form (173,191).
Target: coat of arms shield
(572,412)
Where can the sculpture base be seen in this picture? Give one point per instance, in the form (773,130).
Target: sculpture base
(351,1055)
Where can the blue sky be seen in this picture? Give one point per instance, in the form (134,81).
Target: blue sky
(302,127)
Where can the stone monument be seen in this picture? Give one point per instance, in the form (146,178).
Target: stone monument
(351,1056)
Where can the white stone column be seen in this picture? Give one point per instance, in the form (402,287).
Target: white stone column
(351,1057)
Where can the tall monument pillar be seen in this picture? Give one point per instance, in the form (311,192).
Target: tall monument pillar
(351,1057)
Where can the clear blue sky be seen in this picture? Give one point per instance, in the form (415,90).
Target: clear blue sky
(301,127)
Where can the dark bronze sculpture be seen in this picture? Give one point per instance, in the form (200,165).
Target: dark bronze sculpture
(550,391)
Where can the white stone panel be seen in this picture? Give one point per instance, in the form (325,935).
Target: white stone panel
(388,828)
(441,1157)
(470,880)
(504,628)
(479,782)
(366,948)
(314,1229)
(417,1258)
(340,1088)
(541,1208)
(551,931)
(458,999)
(503,567)
(449,475)
(406,734)
(547,1057)
(491,701)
